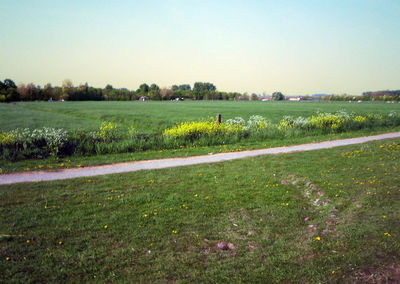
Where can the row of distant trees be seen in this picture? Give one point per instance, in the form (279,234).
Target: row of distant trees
(366,96)
(10,92)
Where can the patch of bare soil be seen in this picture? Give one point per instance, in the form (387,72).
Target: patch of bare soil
(386,274)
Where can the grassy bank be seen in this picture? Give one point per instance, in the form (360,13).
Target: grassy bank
(54,163)
(322,216)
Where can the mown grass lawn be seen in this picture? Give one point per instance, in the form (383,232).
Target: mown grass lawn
(322,216)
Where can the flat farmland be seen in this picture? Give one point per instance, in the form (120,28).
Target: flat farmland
(151,117)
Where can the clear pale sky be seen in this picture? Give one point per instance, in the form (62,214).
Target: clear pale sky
(296,47)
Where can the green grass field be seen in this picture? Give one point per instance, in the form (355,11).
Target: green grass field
(150,117)
(153,117)
(324,216)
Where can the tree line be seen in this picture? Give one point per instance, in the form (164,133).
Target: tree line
(10,92)
(366,96)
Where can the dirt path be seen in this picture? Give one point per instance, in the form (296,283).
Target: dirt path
(178,162)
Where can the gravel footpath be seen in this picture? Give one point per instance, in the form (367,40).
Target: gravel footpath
(178,162)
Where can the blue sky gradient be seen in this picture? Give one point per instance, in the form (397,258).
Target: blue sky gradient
(296,47)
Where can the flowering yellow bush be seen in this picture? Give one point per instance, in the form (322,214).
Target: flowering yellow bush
(360,118)
(195,129)
(107,131)
(327,120)
(7,138)
(286,123)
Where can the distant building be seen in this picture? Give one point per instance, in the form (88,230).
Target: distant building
(294,98)
(144,98)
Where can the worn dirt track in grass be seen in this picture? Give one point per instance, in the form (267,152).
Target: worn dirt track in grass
(178,162)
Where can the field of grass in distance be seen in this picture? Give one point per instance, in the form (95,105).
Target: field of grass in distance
(152,117)
(322,216)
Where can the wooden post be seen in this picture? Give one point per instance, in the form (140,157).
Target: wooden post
(219,119)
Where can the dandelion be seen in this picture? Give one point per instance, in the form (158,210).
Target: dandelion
(145,215)
(196,195)
(207,197)
(28,241)
(105,227)
(174,231)
(387,234)
(333,272)
(318,238)
(384,216)
(60,243)
(89,180)
(7,258)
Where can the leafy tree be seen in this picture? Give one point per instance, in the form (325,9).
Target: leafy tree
(166,94)
(155,95)
(144,88)
(185,87)
(203,90)
(108,87)
(47,91)
(28,92)
(199,86)
(277,96)
(67,89)
(8,91)
(154,87)
(9,84)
